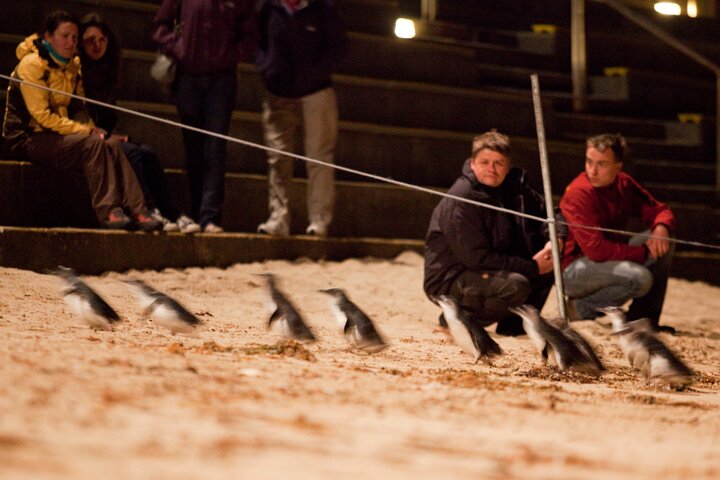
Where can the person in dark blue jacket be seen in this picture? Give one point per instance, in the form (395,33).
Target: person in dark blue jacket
(301,41)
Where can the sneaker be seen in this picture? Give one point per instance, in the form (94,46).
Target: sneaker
(317,229)
(187,225)
(117,220)
(167,225)
(212,228)
(275,229)
(145,221)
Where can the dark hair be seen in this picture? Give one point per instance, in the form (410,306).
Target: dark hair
(613,141)
(109,65)
(53,21)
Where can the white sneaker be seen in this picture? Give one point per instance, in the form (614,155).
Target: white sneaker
(167,225)
(187,225)
(212,228)
(317,229)
(275,229)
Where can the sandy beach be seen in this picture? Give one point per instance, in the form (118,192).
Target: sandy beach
(236,401)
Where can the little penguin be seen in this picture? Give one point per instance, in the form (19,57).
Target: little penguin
(284,317)
(85,302)
(551,342)
(646,352)
(357,326)
(164,310)
(580,341)
(469,335)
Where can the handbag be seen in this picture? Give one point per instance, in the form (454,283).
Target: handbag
(164,68)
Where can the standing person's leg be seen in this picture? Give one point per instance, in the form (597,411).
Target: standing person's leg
(320,118)
(189,100)
(218,105)
(486,296)
(281,120)
(87,154)
(592,285)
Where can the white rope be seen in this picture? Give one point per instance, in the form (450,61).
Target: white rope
(354,171)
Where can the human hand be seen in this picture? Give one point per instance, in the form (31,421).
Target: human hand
(99,132)
(119,138)
(657,247)
(544,261)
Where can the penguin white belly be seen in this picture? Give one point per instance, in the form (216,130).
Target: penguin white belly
(281,327)
(338,314)
(461,336)
(168,318)
(537,339)
(83,309)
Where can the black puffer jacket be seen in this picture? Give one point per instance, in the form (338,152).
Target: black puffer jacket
(464,237)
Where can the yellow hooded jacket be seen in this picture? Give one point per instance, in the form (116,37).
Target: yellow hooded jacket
(39,110)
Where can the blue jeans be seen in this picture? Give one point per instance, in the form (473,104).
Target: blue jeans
(207,102)
(591,285)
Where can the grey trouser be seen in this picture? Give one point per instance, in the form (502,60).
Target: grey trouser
(315,117)
(110,177)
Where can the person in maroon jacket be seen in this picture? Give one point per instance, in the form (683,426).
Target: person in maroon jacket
(603,269)
(207,40)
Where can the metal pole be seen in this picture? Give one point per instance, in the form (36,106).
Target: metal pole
(578,55)
(717,139)
(547,188)
(428,10)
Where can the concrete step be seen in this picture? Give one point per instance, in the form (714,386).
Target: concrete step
(92,252)
(362,209)
(682,192)
(666,171)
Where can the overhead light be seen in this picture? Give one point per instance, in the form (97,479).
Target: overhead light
(404,28)
(668,8)
(692,8)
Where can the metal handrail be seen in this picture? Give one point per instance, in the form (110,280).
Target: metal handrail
(685,50)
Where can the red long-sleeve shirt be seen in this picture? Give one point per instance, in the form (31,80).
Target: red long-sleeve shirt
(609,207)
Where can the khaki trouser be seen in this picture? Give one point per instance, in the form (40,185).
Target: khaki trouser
(110,177)
(315,117)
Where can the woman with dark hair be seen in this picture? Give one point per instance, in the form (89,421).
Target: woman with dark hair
(39,125)
(100,55)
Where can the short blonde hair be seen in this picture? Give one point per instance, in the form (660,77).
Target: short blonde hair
(613,141)
(492,140)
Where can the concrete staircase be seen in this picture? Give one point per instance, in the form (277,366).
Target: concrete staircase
(408,111)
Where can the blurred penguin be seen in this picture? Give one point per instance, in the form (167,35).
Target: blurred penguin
(468,335)
(164,310)
(552,344)
(646,352)
(85,302)
(579,341)
(284,317)
(357,326)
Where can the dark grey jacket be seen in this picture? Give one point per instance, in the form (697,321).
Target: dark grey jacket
(464,237)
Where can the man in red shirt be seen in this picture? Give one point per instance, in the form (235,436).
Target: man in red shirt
(605,269)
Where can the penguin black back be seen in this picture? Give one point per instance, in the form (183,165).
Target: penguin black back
(284,315)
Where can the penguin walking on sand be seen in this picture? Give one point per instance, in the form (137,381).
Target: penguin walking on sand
(85,302)
(357,326)
(468,335)
(553,344)
(164,310)
(284,317)
(646,352)
(580,341)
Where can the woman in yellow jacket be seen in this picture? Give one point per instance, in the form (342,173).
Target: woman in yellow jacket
(39,126)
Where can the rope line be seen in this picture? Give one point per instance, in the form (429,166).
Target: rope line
(355,171)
